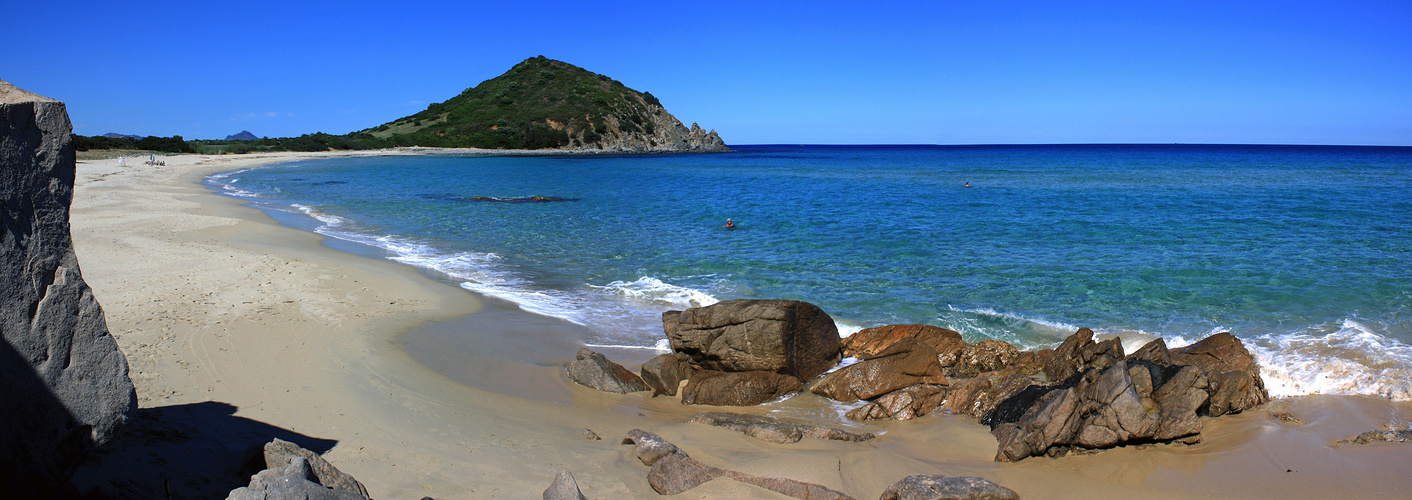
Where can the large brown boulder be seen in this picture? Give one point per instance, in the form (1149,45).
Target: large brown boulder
(782,336)
(868,342)
(1231,370)
(64,383)
(906,363)
(710,387)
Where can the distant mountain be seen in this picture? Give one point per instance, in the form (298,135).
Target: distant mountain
(114,135)
(542,103)
(244,135)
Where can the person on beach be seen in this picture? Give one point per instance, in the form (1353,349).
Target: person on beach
(122,161)
(729,224)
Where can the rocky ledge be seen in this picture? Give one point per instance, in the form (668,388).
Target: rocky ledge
(1085,394)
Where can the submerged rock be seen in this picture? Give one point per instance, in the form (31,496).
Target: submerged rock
(673,471)
(782,336)
(775,430)
(939,487)
(709,387)
(64,380)
(592,369)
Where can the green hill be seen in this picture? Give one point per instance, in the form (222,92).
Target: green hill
(543,103)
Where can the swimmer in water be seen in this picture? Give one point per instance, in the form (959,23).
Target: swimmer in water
(968,183)
(729,224)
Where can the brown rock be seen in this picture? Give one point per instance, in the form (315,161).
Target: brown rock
(906,363)
(1079,352)
(783,336)
(902,404)
(594,370)
(1231,370)
(709,387)
(871,341)
(665,372)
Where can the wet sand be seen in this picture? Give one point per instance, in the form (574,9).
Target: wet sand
(429,390)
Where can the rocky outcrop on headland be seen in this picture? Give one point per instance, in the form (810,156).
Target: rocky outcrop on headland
(65,383)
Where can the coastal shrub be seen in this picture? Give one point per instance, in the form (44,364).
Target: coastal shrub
(173,144)
(647,96)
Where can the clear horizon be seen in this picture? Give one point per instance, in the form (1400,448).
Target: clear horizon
(906,73)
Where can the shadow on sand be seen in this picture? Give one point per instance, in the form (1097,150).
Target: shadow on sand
(197,450)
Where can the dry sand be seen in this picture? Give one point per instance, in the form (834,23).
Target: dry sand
(231,320)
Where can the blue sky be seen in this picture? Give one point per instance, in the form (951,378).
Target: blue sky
(758,72)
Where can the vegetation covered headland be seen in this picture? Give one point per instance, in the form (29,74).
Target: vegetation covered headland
(539,104)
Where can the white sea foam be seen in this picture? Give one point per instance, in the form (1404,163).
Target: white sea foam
(1343,358)
(652,291)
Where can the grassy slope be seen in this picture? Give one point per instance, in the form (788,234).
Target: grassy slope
(539,103)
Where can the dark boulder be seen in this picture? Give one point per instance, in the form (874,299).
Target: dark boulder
(939,487)
(902,404)
(709,387)
(775,430)
(64,381)
(783,336)
(592,369)
(664,372)
(906,363)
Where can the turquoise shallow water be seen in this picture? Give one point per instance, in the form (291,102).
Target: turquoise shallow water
(1302,251)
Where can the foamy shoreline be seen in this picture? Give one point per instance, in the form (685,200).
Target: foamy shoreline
(212,301)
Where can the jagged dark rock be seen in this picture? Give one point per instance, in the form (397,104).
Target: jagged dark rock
(564,488)
(592,369)
(279,453)
(664,372)
(939,487)
(1231,369)
(775,430)
(710,387)
(906,363)
(673,471)
(64,381)
(783,336)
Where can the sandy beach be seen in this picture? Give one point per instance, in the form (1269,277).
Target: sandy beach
(216,303)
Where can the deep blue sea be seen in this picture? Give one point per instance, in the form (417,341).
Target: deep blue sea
(1304,252)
